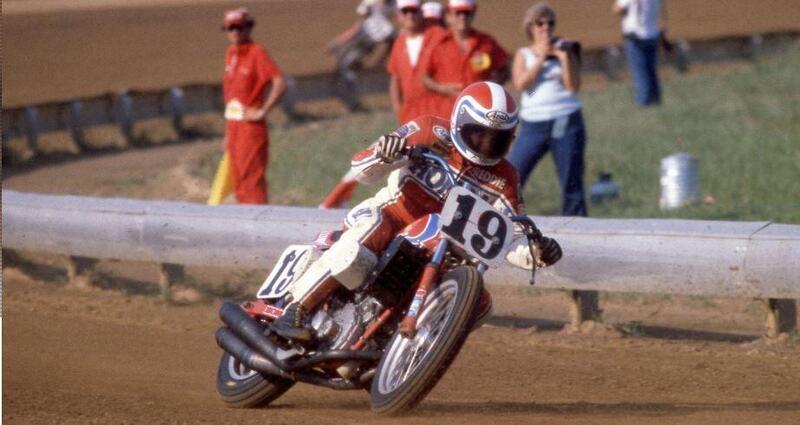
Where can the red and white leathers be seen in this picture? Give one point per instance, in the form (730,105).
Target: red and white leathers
(248,71)
(412,191)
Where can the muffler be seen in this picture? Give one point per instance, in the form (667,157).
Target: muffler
(253,360)
(251,334)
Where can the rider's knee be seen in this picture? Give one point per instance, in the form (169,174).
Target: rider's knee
(350,262)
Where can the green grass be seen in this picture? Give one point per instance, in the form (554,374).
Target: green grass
(742,126)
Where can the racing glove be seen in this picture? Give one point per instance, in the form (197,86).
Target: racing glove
(548,251)
(390,147)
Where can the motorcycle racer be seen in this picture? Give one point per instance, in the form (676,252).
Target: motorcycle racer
(473,143)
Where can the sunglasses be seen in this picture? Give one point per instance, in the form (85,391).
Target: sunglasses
(464,13)
(549,22)
(239,28)
(409,10)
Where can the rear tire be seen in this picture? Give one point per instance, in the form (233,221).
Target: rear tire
(411,367)
(240,387)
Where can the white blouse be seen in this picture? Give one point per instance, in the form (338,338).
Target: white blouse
(546,98)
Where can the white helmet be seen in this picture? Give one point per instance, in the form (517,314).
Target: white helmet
(483,122)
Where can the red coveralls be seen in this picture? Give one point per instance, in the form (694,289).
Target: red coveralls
(248,70)
(416,98)
(446,62)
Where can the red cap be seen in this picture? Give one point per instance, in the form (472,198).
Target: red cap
(238,16)
(461,5)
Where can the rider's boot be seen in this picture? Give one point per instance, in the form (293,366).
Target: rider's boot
(291,324)
(345,264)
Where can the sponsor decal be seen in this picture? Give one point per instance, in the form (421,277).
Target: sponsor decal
(486,176)
(441,133)
(407,129)
(480,61)
(363,212)
(416,303)
(496,117)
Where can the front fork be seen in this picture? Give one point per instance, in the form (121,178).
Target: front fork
(408,326)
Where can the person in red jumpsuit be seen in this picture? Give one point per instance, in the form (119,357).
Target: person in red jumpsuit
(409,97)
(460,58)
(473,142)
(252,85)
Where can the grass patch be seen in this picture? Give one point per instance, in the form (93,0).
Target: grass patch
(743,127)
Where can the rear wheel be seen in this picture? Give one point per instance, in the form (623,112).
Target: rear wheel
(411,367)
(243,388)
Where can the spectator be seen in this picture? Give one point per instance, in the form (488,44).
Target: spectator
(249,74)
(433,13)
(410,98)
(547,72)
(463,56)
(408,95)
(640,29)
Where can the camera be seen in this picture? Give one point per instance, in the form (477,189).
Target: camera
(566,45)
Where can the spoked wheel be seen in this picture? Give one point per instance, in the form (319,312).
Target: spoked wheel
(241,387)
(411,367)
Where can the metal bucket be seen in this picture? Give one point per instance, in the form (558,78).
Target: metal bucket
(679,181)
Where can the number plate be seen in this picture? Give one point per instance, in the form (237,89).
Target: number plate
(293,262)
(474,225)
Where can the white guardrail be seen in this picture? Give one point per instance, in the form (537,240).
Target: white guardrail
(713,258)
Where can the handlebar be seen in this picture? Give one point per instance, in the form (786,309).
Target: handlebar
(529,229)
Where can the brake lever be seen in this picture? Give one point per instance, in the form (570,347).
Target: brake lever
(532,280)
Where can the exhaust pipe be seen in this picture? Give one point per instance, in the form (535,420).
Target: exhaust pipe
(239,350)
(254,361)
(251,334)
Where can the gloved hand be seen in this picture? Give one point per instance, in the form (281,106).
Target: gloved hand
(390,147)
(548,251)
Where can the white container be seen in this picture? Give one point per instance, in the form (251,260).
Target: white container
(679,181)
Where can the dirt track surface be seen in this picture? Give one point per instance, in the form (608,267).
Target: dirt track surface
(56,50)
(89,355)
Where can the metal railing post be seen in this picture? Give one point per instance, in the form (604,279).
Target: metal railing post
(177,103)
(124,116)
(32,128)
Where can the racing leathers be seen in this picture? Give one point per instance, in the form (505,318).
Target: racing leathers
(413,190)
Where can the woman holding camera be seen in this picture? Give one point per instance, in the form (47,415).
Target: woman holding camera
(547,72)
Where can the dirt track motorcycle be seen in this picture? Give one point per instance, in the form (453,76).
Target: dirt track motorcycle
(394,336)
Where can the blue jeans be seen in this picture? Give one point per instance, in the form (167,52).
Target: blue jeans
(568,147)
(641,56)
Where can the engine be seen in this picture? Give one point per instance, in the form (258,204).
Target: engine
(343,322)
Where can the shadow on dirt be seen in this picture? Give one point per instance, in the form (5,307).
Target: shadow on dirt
(644,331)
(430,408)
(13,165)
(240,287)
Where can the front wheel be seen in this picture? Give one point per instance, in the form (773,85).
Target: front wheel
(244,388)
(411,367)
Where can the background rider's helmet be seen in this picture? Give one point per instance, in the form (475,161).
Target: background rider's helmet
(483,122)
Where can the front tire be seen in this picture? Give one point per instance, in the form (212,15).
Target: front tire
(411,367)
(240,387)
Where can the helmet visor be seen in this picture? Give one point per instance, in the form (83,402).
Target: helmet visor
(488,143)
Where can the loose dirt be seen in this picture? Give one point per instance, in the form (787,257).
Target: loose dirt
(100,356)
